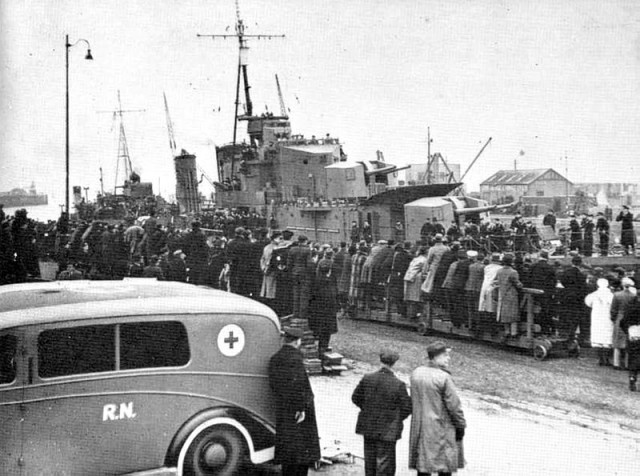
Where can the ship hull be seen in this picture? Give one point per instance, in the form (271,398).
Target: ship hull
(12,201)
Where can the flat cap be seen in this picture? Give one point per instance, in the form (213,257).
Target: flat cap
(436,348)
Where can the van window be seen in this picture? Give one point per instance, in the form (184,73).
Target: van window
(76,350)
(88,349)
(153,344)
(8,347)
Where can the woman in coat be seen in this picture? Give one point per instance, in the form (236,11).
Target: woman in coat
(356,291)
(486,302)
(413,280)
(508,283)
(268,267)
(437,419)
(601,326)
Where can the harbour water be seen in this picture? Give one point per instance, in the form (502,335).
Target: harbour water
(42,213)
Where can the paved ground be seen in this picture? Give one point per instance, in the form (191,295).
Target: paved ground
(503,437)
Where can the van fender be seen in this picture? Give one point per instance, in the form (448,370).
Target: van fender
(258,434)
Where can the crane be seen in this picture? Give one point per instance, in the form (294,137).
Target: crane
(172,141)
(283,109)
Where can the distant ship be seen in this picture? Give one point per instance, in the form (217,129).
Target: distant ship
(19,197)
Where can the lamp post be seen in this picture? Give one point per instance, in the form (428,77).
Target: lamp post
(67,45)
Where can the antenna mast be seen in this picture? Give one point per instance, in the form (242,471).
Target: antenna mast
(123,148)
(242,65)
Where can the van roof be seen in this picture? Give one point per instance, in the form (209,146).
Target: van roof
(36,303)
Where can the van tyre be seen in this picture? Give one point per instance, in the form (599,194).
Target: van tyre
(217,451)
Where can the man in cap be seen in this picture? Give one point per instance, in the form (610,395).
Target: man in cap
(301,268)
(384,403)
(297,441)
(239,253)
(473,286)
(196,249)
(602,228)
(437,423)
(575,290)
(587,235)
(627,233)
(543,277)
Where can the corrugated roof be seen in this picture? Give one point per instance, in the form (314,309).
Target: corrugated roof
(516,177)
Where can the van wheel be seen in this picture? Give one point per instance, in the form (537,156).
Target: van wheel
(217,451)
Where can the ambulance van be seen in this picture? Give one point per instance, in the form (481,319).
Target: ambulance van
(134,377)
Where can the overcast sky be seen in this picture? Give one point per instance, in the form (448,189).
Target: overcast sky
(544,79)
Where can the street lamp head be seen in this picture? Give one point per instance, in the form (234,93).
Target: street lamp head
(88,57)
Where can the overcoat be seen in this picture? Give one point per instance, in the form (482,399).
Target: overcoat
(384,403)
(413,278)
(486,303)
(434,255)
(630,324)
(476,276)
(342,270)
(619,305)
(296,443)
(601,325)
(627,233)
(399,265)
(323,306)
(436,413)
(268,272)
(355,285)
(508,284)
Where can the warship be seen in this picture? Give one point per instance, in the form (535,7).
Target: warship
(19,197)
(310,186)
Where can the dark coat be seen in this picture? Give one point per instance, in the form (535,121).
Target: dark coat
(575,287)
(460,275)
(543,277)
(299,261)
(323,306)
(296,443)
(384,403)
(632,318)
(399,266)
(239,255)
(627,234)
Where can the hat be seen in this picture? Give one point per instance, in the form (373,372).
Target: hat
(239,231)
(627,282)
(438,237)
(302,238)
(572,213)
(462,254)
(287,234)
(626,207)
(382,242)
(195,224)
(389,357)
(437,348)
(293,332)
(472,254)
(544,254)
(495,257)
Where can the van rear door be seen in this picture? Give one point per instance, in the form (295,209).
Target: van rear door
(13,364)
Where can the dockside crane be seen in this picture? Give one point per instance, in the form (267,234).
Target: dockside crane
(283,109)
(172,141)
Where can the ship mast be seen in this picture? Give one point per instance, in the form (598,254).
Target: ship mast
(243,57)
(123,148)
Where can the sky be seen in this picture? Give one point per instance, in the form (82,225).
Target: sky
(554,84)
